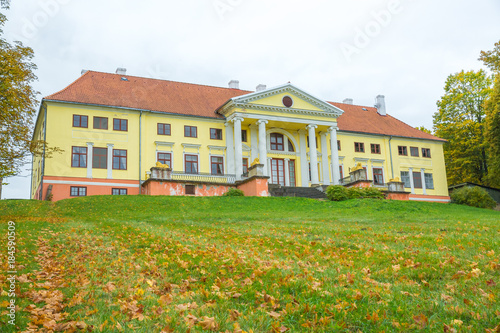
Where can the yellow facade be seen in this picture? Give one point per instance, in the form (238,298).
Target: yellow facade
(142,143)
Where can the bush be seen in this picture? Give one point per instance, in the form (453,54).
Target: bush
(234,192)
(473,196)
(337,193)
(340,193)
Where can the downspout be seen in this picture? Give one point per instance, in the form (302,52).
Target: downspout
(43,155)
(390,154)
(31,187)
(140,152)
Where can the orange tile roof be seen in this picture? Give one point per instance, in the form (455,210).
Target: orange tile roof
(107,89)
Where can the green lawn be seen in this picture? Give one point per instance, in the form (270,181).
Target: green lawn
(234,264)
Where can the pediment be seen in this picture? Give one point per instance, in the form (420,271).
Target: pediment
(286,98)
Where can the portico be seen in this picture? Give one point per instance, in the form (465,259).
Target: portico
(296,136)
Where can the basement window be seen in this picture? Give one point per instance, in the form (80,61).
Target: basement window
(190,190)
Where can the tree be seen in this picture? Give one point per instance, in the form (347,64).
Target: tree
(423,129)
(17,103)
(492,110)
(461,120)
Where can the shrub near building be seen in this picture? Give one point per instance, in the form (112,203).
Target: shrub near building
(340,193)
(473,196)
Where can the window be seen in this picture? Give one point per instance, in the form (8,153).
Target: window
(165,158)
(338,145)
(78,191)
(245,166)
(80,121)
(417,179)
(215,134)
(375,148)
(341,172)
(79,157)
(217,165)
(191,163)
(190,132)
(277,141)
(359,147)
(119,191)
(100,123)
(405,178)
(190,190)
(315,140)
(426,152)
(290,146)
(403,150)
(244,137)
(163,129)
(414,151)
(378,176)
(120,124)
(429,181)
(291,172)
(119,159)
(100,158)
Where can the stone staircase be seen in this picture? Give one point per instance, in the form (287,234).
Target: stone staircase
(302,192)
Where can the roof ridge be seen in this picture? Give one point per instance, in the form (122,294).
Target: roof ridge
(165,80)
(365,106)
(68,86)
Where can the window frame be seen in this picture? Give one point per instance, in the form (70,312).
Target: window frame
(79,154)
(158,159)
(381,174)
(431,187)
(217,134)
(190,128)
(339,145)
(276,144)
(191,163)
(217,164)
(412,150)
(405,177)
(403,150)
(244,135)
(163,126)
(245,165)
(78,189)
(426,152)
(359,147)
(120,190)
(120,124)
(120,157)
(94,155)
(100,121)
(377,151)
(80,121)
(417,177)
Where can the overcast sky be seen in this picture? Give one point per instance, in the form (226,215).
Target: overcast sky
(332,49)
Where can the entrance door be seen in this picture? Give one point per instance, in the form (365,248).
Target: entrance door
(278,171)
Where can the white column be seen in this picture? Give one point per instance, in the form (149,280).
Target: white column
(304,167)
(254,143)
(238,153)
(287,172)
(335,156)
(90,154)
(313,154)
(263,145)
(229,149)
(411,181)
(110,160)
(268,168)
(324,159)
(422,175)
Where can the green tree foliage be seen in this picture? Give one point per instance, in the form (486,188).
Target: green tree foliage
(492,110)
(17,103)
(423,129)
(461,120)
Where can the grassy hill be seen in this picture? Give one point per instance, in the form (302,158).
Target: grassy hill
(179,264)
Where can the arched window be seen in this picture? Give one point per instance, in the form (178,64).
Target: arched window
(290,146)
(277,142)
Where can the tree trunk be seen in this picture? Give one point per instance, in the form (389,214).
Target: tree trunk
(1,181)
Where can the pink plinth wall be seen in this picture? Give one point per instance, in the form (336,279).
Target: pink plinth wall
(362,183)
(397,196)
(255,187)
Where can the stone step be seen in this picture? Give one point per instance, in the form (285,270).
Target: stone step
(302,192)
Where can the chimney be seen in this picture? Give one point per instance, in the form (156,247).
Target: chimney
(234,84)
(261,87)
(121,71)
(381,105)
(348,101)
(84,71)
